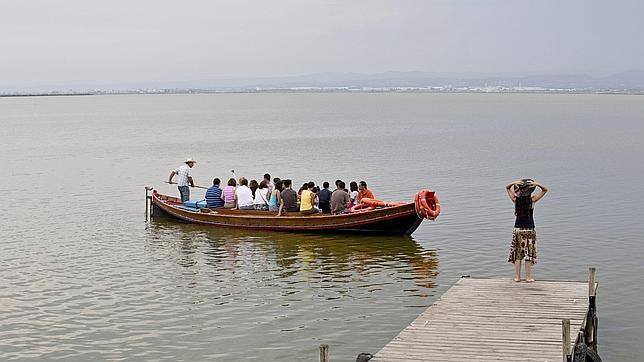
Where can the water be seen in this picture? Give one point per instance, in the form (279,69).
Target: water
(84,276)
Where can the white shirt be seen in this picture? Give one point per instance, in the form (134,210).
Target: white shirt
(244,196)
(260,197)
(354,197)
(183,172)
(271,187)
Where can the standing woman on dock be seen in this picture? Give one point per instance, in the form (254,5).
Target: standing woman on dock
(524,236)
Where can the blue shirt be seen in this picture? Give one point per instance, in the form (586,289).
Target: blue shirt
(213,198)
(324,196)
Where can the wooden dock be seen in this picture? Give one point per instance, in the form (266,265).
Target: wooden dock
(501,320)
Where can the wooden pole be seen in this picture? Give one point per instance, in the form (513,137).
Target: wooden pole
(147,202)
(195,186)
(565,338)
(324,353)
(591,282)
(591,318)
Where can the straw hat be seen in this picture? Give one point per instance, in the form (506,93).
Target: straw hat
(190,160)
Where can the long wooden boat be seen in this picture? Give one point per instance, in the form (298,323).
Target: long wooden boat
(392,218)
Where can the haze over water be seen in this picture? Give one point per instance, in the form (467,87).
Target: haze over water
(84,276)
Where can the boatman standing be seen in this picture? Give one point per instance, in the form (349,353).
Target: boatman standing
(185,179)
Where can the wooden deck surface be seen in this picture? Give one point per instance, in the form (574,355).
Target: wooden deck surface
(493,320)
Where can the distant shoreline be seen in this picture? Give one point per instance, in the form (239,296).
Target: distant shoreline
(321,90)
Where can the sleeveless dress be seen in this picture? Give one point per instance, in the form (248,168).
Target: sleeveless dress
(524,235)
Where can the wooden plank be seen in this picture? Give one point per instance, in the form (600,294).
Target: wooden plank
(493,319)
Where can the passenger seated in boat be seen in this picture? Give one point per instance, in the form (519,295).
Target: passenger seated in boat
(324,196)
(213,196)
(363,191)
(228,194)
(340,200)
(288,199)
(353,186)
(274,200)
(270,184)
(305,186)
(308,199)
(261,196)
(253,185)
(244,196)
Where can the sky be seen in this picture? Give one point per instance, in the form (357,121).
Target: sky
(145,40)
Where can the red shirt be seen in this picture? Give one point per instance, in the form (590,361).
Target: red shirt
(365,193)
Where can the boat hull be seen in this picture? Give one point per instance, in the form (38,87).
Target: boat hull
(401,220)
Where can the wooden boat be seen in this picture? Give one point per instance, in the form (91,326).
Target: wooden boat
(393,218)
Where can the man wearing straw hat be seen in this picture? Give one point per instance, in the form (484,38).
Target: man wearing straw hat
(185,179)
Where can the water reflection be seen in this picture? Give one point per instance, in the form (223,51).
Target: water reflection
(328,260)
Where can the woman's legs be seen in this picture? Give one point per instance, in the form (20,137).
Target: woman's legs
(528,271)
(517,270)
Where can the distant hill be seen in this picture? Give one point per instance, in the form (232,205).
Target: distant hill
(632,80)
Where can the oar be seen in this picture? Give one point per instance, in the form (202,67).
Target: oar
(197,186)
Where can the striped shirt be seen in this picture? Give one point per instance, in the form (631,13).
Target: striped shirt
(229,194)
(213,198)
(183,172)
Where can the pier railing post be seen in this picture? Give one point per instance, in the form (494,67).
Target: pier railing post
(565,340)
(591,318)
(324,353)
(148,203)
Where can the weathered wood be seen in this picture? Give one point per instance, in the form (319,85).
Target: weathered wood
(324,353)
(565,339)
(591,281)
(493,320)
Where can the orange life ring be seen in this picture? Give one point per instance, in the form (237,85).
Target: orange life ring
(427,204)
(361,208)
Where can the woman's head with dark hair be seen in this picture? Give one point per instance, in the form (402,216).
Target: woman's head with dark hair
(353,186)
(310,185)
(279,185)
(253,185)
(232,182)
(525,188)
(263,185)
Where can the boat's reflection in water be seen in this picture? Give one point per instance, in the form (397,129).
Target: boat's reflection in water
(317,258)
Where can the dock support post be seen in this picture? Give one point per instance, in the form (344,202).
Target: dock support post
(591,318)
(148,203)
(324,353)
(565,340)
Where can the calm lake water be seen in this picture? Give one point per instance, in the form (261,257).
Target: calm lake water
(83,276)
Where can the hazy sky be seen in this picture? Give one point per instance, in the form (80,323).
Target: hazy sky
(135,40)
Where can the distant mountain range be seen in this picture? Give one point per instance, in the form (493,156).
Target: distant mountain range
(632,80)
